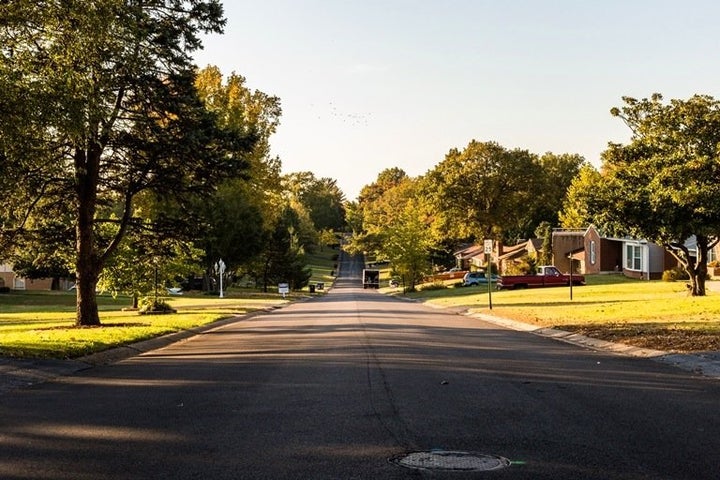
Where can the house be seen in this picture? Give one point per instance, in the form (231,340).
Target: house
(568,246)
(474,257)
(601,254)
(8,278)
(464,256)
(590,253)
(645,260)
(506,255)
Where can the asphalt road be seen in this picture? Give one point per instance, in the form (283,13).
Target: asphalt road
(335,387)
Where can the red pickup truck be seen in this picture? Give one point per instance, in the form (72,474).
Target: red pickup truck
(546,276)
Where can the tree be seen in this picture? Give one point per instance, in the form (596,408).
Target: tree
(112,112)
(353,217)
(558,173)
(407,245)
(544,231)
(379,205)
(663,185)
(581,204)
(145,264)
(239,214)
(320,197)
(485,191)
(282,260)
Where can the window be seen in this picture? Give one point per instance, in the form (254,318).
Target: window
(592,252)
(633,257)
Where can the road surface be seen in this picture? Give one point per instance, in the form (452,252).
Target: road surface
(338,386)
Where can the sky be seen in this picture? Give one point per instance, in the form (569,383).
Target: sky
(367,85)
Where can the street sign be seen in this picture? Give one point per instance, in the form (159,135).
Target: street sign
(488,244)
(488,247)
(283,288)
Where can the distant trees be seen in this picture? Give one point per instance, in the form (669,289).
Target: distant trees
(488,191)
(483,191)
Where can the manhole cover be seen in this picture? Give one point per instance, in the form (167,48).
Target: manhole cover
(450,460)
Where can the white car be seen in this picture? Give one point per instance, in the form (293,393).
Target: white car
(477,278)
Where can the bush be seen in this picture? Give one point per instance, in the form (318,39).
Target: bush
(4,289)
(433,286)
(152,306)
(675,274)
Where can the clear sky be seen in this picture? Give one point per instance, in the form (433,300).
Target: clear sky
(367,85)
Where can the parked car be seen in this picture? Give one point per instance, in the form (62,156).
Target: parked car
(545,276)
(477,278)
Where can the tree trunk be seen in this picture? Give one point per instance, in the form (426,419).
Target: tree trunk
(698,271)
(87,265)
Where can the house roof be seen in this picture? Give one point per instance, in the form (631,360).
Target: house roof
(469,252)
(521,248)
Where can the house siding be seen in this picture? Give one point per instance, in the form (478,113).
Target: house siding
(611,255)
(593,252)
(563,243)
(654,261)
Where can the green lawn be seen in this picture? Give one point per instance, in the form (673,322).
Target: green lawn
(652,314)
(323,263)
(41,324)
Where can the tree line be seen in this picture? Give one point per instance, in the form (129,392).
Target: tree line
(119,157)
(663,186)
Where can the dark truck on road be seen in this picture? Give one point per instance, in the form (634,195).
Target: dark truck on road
(371,278)
(546,276)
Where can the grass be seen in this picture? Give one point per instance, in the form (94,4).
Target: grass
(651,314)
(323,264)
(42,324)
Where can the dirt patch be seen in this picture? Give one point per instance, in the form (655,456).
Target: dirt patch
(671,339)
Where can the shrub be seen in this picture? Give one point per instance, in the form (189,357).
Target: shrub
(675,274)
(433,286)
(4,289)
(152,305)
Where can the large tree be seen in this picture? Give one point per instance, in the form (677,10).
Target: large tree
(580,206)
(323,200)
(239,216)
(99,105)
(663,185)
(486,190)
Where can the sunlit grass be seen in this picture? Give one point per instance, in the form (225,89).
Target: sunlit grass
(323,264)
(609,306)
(43,324)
